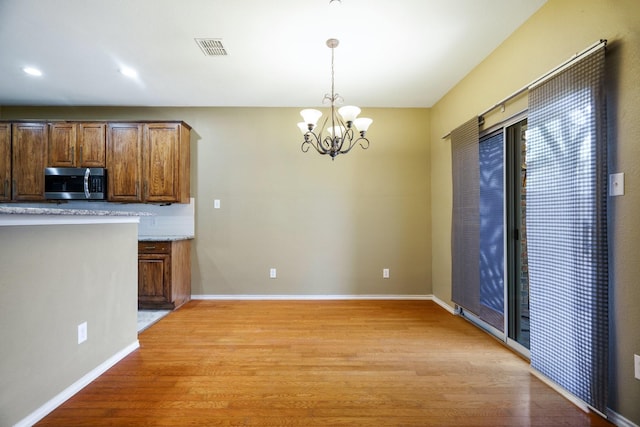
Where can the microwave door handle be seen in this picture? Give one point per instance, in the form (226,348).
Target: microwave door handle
(87,173)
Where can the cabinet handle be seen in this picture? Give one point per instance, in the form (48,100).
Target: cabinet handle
(80,157)
(149,247)
(71,155)
(6,188)
(137,188)
(14,187)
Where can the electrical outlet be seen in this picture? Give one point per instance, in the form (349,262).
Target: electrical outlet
(82,332)
(273,273)
(636,364)
(385,273)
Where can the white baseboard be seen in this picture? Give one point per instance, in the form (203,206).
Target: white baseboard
(619,420)
(611,415)
(443,304)
(311,297)
(433,298)
(565,393)
(74,388)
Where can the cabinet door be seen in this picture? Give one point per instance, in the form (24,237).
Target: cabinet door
(5,162)
(91,145)
(161,162)
(154,276)
(124,161)
(29,155)
(62,145)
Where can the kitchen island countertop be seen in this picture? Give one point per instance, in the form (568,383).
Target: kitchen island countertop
(19,215)
(20,210)
(165,238)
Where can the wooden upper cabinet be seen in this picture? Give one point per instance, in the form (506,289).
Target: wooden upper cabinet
(62,145)
(77,145)
(92,145)
(29,155)
(5,162)
(145,162)
(124,162)
(166,163)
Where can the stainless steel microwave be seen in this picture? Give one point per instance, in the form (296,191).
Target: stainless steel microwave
(75,183)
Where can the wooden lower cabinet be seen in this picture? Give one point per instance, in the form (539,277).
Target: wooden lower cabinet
(164,274)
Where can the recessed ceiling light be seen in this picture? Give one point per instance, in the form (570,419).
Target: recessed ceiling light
(32,71)
(129,72)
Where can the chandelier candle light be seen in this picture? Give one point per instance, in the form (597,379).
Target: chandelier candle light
(343,124)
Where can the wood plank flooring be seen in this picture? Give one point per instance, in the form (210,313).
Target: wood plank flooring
(318,363)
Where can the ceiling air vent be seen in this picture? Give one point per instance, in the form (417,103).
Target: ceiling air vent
(211,47)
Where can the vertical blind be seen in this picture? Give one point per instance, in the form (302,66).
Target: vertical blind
(566,226)
(465,235)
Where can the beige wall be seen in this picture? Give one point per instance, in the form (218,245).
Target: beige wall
(54,278)
(555,33)
(329,227)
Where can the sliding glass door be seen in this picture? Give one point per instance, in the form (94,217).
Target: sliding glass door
(504,278)
(517,263)
(541,230)
(492,291)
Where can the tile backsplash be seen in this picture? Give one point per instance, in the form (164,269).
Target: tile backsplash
(175,219)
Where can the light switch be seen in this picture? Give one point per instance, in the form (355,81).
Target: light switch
(616,184)
(216,204)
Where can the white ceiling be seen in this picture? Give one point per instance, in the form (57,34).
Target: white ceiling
(392,53)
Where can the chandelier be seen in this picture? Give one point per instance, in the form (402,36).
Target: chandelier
(345,128)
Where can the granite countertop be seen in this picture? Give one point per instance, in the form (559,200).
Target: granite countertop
(17,210)
(165,238)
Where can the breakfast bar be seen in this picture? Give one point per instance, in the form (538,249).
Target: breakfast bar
(69,303)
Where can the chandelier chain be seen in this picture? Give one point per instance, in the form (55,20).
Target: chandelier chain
(332,75)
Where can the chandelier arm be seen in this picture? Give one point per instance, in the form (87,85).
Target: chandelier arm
(315,142)
(353,144)
(305,146)
(362,145)
(314,146)
(327,143)
(348,135)
(326,146)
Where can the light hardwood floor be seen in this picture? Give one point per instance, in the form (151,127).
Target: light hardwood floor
(318,363)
